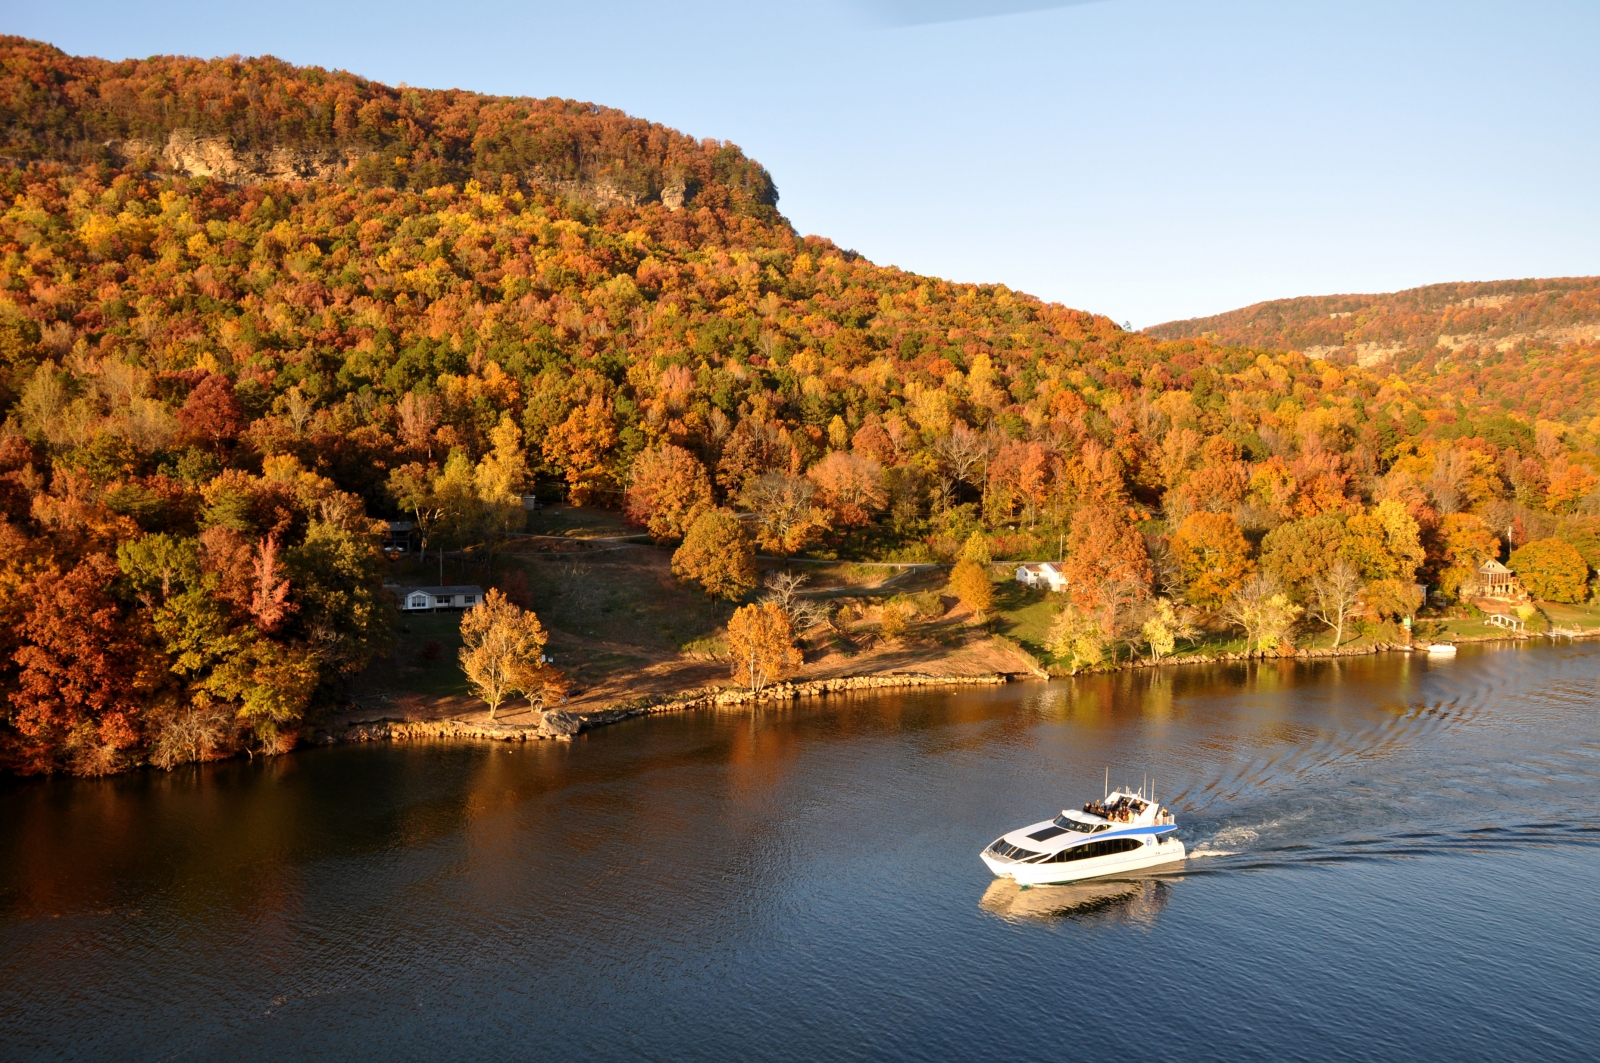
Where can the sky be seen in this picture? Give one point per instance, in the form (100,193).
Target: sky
(1145,159)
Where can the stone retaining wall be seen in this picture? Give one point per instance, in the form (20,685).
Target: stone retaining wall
(562,725)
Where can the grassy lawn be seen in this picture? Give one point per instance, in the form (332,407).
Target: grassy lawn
(625,596)
(579,522)
(1584,614)
(424,661)
(1024,613)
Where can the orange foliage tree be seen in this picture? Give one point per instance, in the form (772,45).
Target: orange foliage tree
(1212,556)
(668,490)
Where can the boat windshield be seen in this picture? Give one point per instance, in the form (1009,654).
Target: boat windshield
(1074,824)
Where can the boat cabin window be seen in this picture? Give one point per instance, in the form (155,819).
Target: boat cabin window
(1074,824)
(1109,847)
(1001,847)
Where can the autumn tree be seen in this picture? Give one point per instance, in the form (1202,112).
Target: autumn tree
(1465,544)
(1333,596)
(269,601)
(83,674)
(668,489)
(581,445)
(499,479)
(787,518)
(969,581)
(892,621)
(1165,625)
(1552,570)
(851,487)
(976,549)
(1263,611)
(761,643)
(1212,556)
(410,487)
(1107,567)
(502,652)
(459,519)
(418,417)
(1298,551)
(1384,543)
(717,554)
(1077,636)
(212,416)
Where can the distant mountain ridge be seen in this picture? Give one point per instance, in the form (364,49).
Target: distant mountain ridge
(252,120)
(1372,330)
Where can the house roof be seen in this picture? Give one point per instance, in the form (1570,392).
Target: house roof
(402,525)
(1492,567)
(440,592)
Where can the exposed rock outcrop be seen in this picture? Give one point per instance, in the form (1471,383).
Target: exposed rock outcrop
(201,155)
(211,156)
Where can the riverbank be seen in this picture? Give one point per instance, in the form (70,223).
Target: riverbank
(566,724)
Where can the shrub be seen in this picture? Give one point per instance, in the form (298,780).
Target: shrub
(892,621)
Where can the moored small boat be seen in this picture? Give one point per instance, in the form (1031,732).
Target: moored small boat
(1124,831)
(1442,649)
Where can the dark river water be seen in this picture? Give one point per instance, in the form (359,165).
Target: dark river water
(1394,858)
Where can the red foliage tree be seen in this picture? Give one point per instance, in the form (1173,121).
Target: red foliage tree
(212,416)
(81,688)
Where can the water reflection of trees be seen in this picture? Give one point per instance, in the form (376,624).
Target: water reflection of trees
(1122,901)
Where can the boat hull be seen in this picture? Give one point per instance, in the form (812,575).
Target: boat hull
(1167,851)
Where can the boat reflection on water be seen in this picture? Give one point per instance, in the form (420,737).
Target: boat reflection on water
(1129,900)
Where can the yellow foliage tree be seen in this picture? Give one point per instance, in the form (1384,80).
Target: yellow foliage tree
(1384,542)
(1078,637)
(970,582)
(761,642)
(502,651)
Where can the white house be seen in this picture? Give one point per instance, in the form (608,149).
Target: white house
(431,599)
(1046,574)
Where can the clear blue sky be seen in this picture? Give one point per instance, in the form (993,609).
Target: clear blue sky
(1147,159)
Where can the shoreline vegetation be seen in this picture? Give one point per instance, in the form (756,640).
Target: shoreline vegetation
(289,358)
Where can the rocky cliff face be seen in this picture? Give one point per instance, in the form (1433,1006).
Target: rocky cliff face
(198,155)
(205,156)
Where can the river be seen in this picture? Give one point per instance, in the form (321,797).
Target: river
(1393,858)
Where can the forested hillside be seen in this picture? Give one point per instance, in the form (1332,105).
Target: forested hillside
(211,391)
(1528,347)
(268,118)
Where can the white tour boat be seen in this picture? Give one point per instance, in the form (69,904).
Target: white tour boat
(1124,831)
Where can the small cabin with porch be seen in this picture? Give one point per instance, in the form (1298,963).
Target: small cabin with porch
(434,599)
(1046,574)
(400,538)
